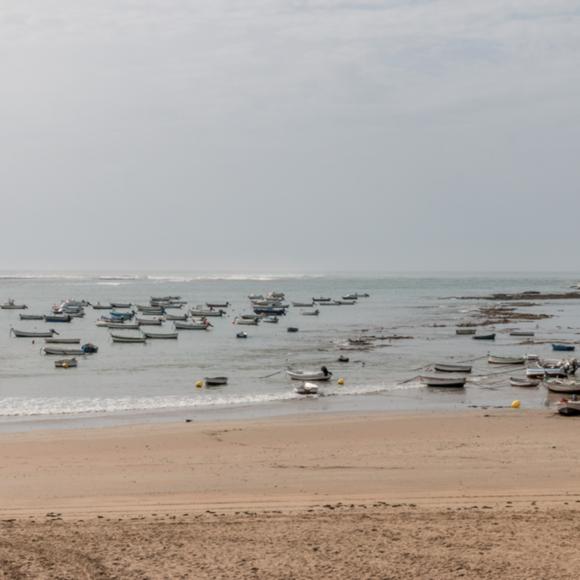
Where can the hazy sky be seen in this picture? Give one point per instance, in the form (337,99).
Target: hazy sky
(290,135)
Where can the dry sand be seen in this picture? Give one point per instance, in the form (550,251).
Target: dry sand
(484,494)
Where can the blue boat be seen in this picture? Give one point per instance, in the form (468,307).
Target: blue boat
(122,315)
(563,347)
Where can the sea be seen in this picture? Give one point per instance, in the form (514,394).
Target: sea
(158,381)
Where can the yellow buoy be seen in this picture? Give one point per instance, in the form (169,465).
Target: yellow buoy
(199,384)
(340,381)
(516,404)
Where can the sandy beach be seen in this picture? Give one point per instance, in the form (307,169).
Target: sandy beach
(376,496)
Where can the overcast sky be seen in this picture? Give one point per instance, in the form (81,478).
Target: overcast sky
(290,135)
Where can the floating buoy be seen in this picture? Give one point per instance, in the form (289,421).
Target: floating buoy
(199,384)
(340,381)
(516,404)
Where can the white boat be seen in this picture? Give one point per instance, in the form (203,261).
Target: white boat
(525,382)
(161,335)
(307,389)
(451,382)
(563,387)
(505,360)
(344,302)
(451,368)
(32,333)
(51,350)
(180,317)
(270,319)
(205,312)
(127,338)
(191,325)
(322,375)
(149,321)
(246,321)
(118,325)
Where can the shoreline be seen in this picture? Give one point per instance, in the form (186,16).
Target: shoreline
(292,462)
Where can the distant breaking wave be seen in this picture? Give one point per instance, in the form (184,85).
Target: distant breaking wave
(23,407)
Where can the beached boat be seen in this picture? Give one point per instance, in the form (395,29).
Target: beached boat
(191,325)
(11,305)
(149,321)
(521,333)
(524,382)
(58,318)
(452,368)
(128,338)
(31,316)
(569,407)
(32,333)
(564,387)
(215,381)
(315,312)
(307,389)
(465,331)
(563,347)
(505,360)
(490,336)
(62,340)
(448,382)
(322,375)
(160,335)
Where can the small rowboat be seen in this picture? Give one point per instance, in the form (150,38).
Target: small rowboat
(128,338)
(215,381)
(490,336)
(321,299)
(32,333)
(58,318)
(191,325)
(563,347)
(447,382)
(292,329)
(205,313)
(521,333)
(322,375)
(50,350)
(100,306)
(450,368)
(465,331)
(247,321)
(344,302)
(60,340)
(565,387)
(311,312)
(270,319)
(307,389)
(167,335)
(505,360)
(31,316)
(569,407)
(180,317)
(119,325)
(517,382)
(217,304)
(303,304)
(66,363)
(120,304)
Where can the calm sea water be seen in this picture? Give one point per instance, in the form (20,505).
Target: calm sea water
(134,382)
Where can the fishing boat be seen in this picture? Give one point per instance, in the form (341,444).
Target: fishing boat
(61,340)
(564,387)
(563,347)
(161,335)
(465,331)
(490,336)
(303,304)
(149,321)
(58,318)
(307,389)
(448,382)
(451,368)
(128,338)
(31,316)
(191,325)
(215,381)
(569,407)
(505,360)
(66,363)
(311,312)
(11,305)
(521,333)
(32,333)
(322,375)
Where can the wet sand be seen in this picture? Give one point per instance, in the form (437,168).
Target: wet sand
(478,494)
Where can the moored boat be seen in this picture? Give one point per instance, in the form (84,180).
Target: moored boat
(563,347)
(62,340)
(524,382)
(489,336)
(449,382)
(149,321)
(203,325)
(452,368)
(521,333)
(128,338)
(505,360)
(160,335)
(303,304)
(315,312)
(309,375)
(246,321)
(465,331)
(11,305)
(66,363)
(85,349)
(31,316)
(32,333)
(58,318)
(563,387)
(307,389)
(215,381)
